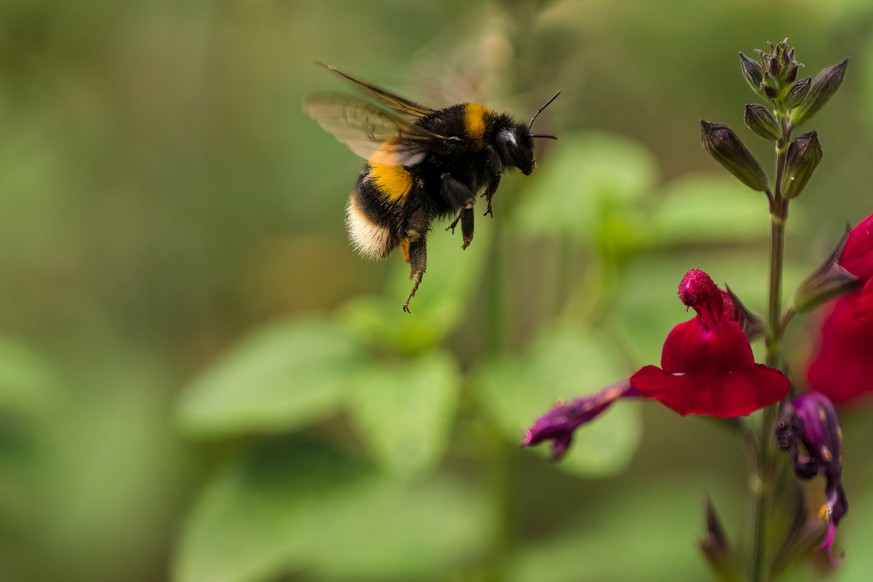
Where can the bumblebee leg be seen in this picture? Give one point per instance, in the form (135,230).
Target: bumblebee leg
(456,193)
(494,169)
(454,223)
(460,196)
(467,217)
(489,192)
(417,265)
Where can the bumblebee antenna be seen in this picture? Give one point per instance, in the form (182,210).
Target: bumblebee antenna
(544,135)
(540,110)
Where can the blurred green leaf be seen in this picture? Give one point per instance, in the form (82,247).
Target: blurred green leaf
(405,410)
(284,507)
(563,364)
(708,209)
(439,304)
(282,376)
(26,379)
(592,177)
(657,525)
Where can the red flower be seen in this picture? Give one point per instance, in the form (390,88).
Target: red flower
(863,309)
(707,365)
(842,364)
(857,255)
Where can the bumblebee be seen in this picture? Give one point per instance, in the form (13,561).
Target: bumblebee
(423,164)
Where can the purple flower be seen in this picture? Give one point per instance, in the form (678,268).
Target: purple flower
(559,423)
(810,420)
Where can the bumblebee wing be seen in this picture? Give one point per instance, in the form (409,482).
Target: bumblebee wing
(371,132)
(394,102)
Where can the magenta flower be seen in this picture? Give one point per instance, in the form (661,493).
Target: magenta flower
(842,363)
(707,368)
(707,365)
(863,308)
(811,421)
(857,255)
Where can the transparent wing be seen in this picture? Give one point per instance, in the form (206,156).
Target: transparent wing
(396,103)
(371,132)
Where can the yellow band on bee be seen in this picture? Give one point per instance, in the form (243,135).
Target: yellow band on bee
(474,120)
(394,182)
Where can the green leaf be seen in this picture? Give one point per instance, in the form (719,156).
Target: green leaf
(440,303)
(26,380)
(281,377)
(707,209)
(561,365)
(657,525)
(285,507)
(592,177)
(405,410)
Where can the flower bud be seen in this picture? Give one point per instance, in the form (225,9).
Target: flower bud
(798,92)
(830,280)
(752,72)
(726,147)
(804,155)
(822,88)
(759,119)
(753,324)
(716,548)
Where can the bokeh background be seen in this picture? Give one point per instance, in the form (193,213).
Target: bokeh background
(199,379)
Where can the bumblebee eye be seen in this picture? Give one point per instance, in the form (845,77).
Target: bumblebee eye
(507,139)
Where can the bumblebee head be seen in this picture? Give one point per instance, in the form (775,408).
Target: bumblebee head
(515,146)
(515,142)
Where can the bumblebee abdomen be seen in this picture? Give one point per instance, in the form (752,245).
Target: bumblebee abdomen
(371,219)
(393,182)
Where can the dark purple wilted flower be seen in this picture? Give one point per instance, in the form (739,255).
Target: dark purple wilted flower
(810,420)
(559,423)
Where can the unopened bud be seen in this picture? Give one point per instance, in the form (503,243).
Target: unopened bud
(753,324)
(804,155)
(716,548)
(828,281)
(752,72)
(798,92)
(759,119)
(823,88)
(726,147)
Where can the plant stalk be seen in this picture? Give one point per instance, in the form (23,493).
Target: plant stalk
(764,477)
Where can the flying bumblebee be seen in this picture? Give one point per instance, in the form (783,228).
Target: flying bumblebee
(422,164)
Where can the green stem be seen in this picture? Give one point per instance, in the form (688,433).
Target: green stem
(763,485)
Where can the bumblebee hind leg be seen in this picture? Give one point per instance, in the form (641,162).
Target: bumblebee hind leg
(415,242)
(417,266)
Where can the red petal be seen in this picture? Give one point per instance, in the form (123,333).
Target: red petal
(690,347)
(857,256)
(842,368)
(724,395)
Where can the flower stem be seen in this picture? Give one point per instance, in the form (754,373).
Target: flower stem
(778,218)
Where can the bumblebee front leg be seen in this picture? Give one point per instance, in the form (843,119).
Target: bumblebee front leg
(494,169)
(460,196)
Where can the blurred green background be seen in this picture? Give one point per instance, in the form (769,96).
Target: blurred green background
(200,380)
